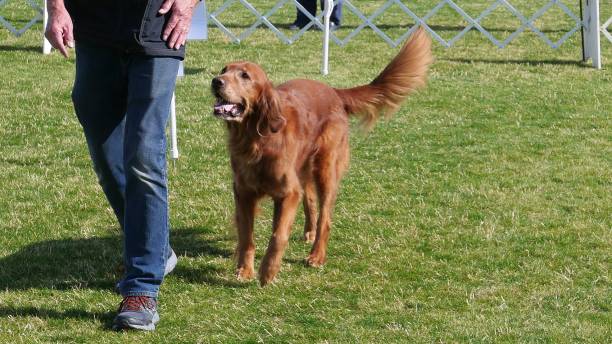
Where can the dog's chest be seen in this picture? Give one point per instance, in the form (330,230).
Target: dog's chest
(263,177)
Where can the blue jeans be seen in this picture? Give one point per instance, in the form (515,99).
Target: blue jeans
(123,101)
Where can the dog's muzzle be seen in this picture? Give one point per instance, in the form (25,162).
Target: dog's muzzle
(223,109)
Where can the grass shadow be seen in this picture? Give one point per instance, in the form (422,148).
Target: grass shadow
(190,242)
(193,71)
(63,264)
(406,26)
(194,242)
(208,274)
(105,318)
(95,263)
(521,62)
(9,48)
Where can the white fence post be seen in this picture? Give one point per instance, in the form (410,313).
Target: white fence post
(46,48)
(199,23)
(198,31)
(174,153)
(327,10)
(592,42)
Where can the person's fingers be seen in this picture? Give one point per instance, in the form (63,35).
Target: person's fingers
(49,36)
(165,7)
(181,40)
(174,36)
(55,37)
(62,49)
(170,27)
(59,30)
(68,36)
(176,29)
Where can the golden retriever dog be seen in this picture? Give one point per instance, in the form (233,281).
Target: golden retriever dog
(291,142)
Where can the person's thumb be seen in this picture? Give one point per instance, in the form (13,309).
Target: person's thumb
(166,6)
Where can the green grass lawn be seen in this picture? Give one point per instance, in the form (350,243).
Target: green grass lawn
(482,212)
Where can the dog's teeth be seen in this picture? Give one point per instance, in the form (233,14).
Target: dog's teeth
(227,110)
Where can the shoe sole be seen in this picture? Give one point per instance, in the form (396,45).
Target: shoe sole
(170,263)
(128,326)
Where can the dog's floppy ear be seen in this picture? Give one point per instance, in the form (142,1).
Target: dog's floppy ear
(271,119)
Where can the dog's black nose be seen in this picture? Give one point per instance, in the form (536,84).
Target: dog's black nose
(217,83)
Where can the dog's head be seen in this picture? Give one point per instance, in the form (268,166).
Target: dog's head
(243,91)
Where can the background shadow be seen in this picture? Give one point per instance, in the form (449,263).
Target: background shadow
(105,318)
(96,263)
(9,48)
(520,62)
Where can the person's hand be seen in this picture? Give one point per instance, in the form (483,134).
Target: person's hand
(59,29)
(178,25)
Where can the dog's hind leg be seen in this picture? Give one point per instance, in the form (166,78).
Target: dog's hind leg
(332,165)
(327,185)
(310,210)
(285,209)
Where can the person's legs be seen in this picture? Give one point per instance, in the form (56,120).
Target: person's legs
(100,101)
(99,98)
(123,103)
(151,82)
(336,15)
(301,19)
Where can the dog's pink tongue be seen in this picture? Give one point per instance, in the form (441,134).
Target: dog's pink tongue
(224,108)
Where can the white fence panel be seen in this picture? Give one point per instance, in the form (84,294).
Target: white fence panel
(18,31)
(604,29)
(589,22)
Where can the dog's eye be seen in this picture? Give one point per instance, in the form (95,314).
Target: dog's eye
(223,70)
(245,75)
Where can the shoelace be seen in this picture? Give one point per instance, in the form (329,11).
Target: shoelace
(136,303)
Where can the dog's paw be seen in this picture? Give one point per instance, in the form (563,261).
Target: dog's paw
(315,260)
(266,278)
(267,273)
(245,274)
(264,281)
(309,237)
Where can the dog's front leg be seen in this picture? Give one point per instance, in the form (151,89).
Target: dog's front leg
(246,204)
(284,215)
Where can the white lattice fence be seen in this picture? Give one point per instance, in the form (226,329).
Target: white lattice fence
(474,22)
(11,25)
(263,19)
(604,29)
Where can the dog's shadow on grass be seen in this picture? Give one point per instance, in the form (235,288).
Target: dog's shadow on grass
(95,263)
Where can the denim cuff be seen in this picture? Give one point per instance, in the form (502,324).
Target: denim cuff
(140,293)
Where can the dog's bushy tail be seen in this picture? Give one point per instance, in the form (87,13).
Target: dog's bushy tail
(384,95)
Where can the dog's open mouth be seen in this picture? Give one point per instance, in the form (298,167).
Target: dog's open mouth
(228,111)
